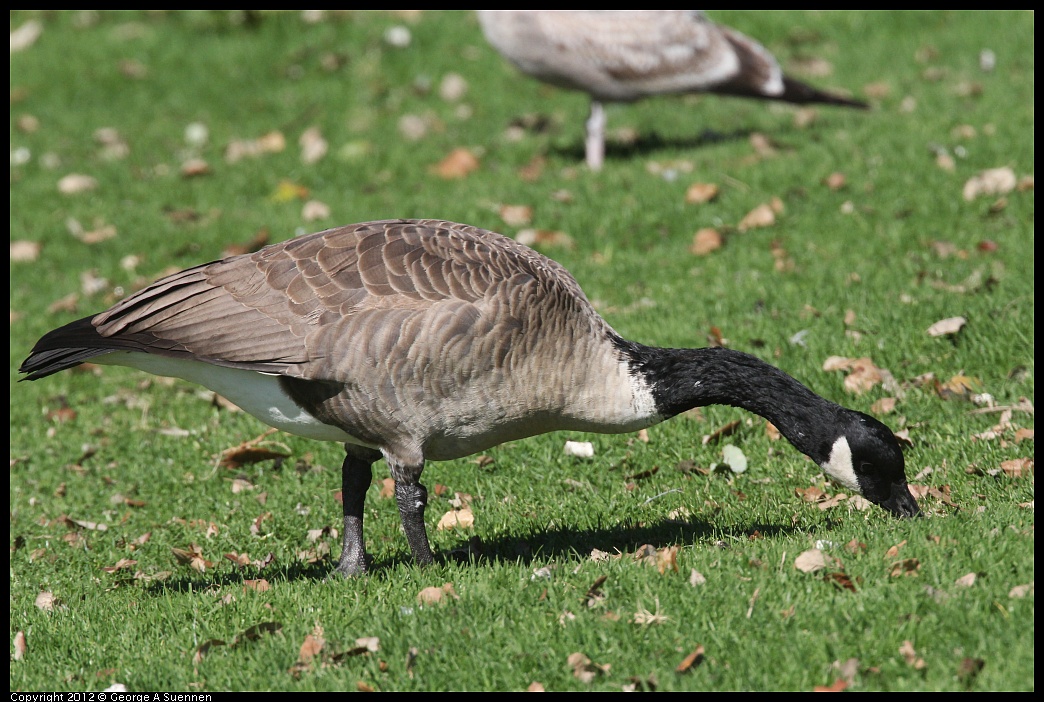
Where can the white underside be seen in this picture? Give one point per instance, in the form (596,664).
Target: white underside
(257,393)
(839,466)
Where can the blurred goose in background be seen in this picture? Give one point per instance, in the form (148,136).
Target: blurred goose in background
(418,340)
(627,55)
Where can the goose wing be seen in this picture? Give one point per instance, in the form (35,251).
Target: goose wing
(316,306)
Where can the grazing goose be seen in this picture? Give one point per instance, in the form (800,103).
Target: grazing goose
(627,55)
(417,340)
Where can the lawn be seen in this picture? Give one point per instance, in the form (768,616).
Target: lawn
(882,257)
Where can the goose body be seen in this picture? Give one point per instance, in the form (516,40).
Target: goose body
(628,55)
(417,340)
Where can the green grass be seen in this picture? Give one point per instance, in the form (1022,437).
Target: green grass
(871,247)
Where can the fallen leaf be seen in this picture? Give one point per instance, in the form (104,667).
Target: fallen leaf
(315,210)
(993,181)
(883,406)
(543,237)
(311,646)
(252,451)
(698,193)
(690,661)
(721,432)
(1018,467)
(706,240)
(944,327)
(810,561)
(436,595)
(907,566)
(969,668)
(579,449)
(966,580)
(21,39)
(734,458)
(459,163)
(287,191)
(583,669)
(1020,591)
(313,145)
(20,646)
(516,215)
(906,650)
(46,601)
(75,183)
(23,251)
(463,518)
(835,181)
(760,216)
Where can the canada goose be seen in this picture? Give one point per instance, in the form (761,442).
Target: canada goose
(627,55)
(427,340)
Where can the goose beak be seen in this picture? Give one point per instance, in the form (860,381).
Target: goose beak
(901,502)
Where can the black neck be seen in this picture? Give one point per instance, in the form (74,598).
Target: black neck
(681,379)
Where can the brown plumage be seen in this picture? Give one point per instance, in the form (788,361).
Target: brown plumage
(417,340)
(628,55)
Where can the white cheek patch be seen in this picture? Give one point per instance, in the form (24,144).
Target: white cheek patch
(839,466)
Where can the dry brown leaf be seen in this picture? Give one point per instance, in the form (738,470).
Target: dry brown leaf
(883,406)
(313,145)
(75,183)
(459,163)
(698,193)
(194,167)
(944,327)
(20,646)
(862,373)
(993,181)
(667,559)
(969,668)
(584,669)
(835,181)
(436,595)
(839,685)
(760,216)
(23,251)
(544,237)
(721,432)
(192,557)
(314,210)
(463,518)
(516,215)
(46,601)
(252,451)
(311,646)
(907,566)
(387,488)
(690,661)
(535,686)
(966,580)
(810,494)
(122,564)
(706,240)
(810,561)
(1020,591)
(906,650)
(1018,467)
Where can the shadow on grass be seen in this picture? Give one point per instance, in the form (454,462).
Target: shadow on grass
(648,144)
(529,548)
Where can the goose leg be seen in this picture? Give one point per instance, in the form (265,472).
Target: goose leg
(356,473)
(595,144)
(412,498)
